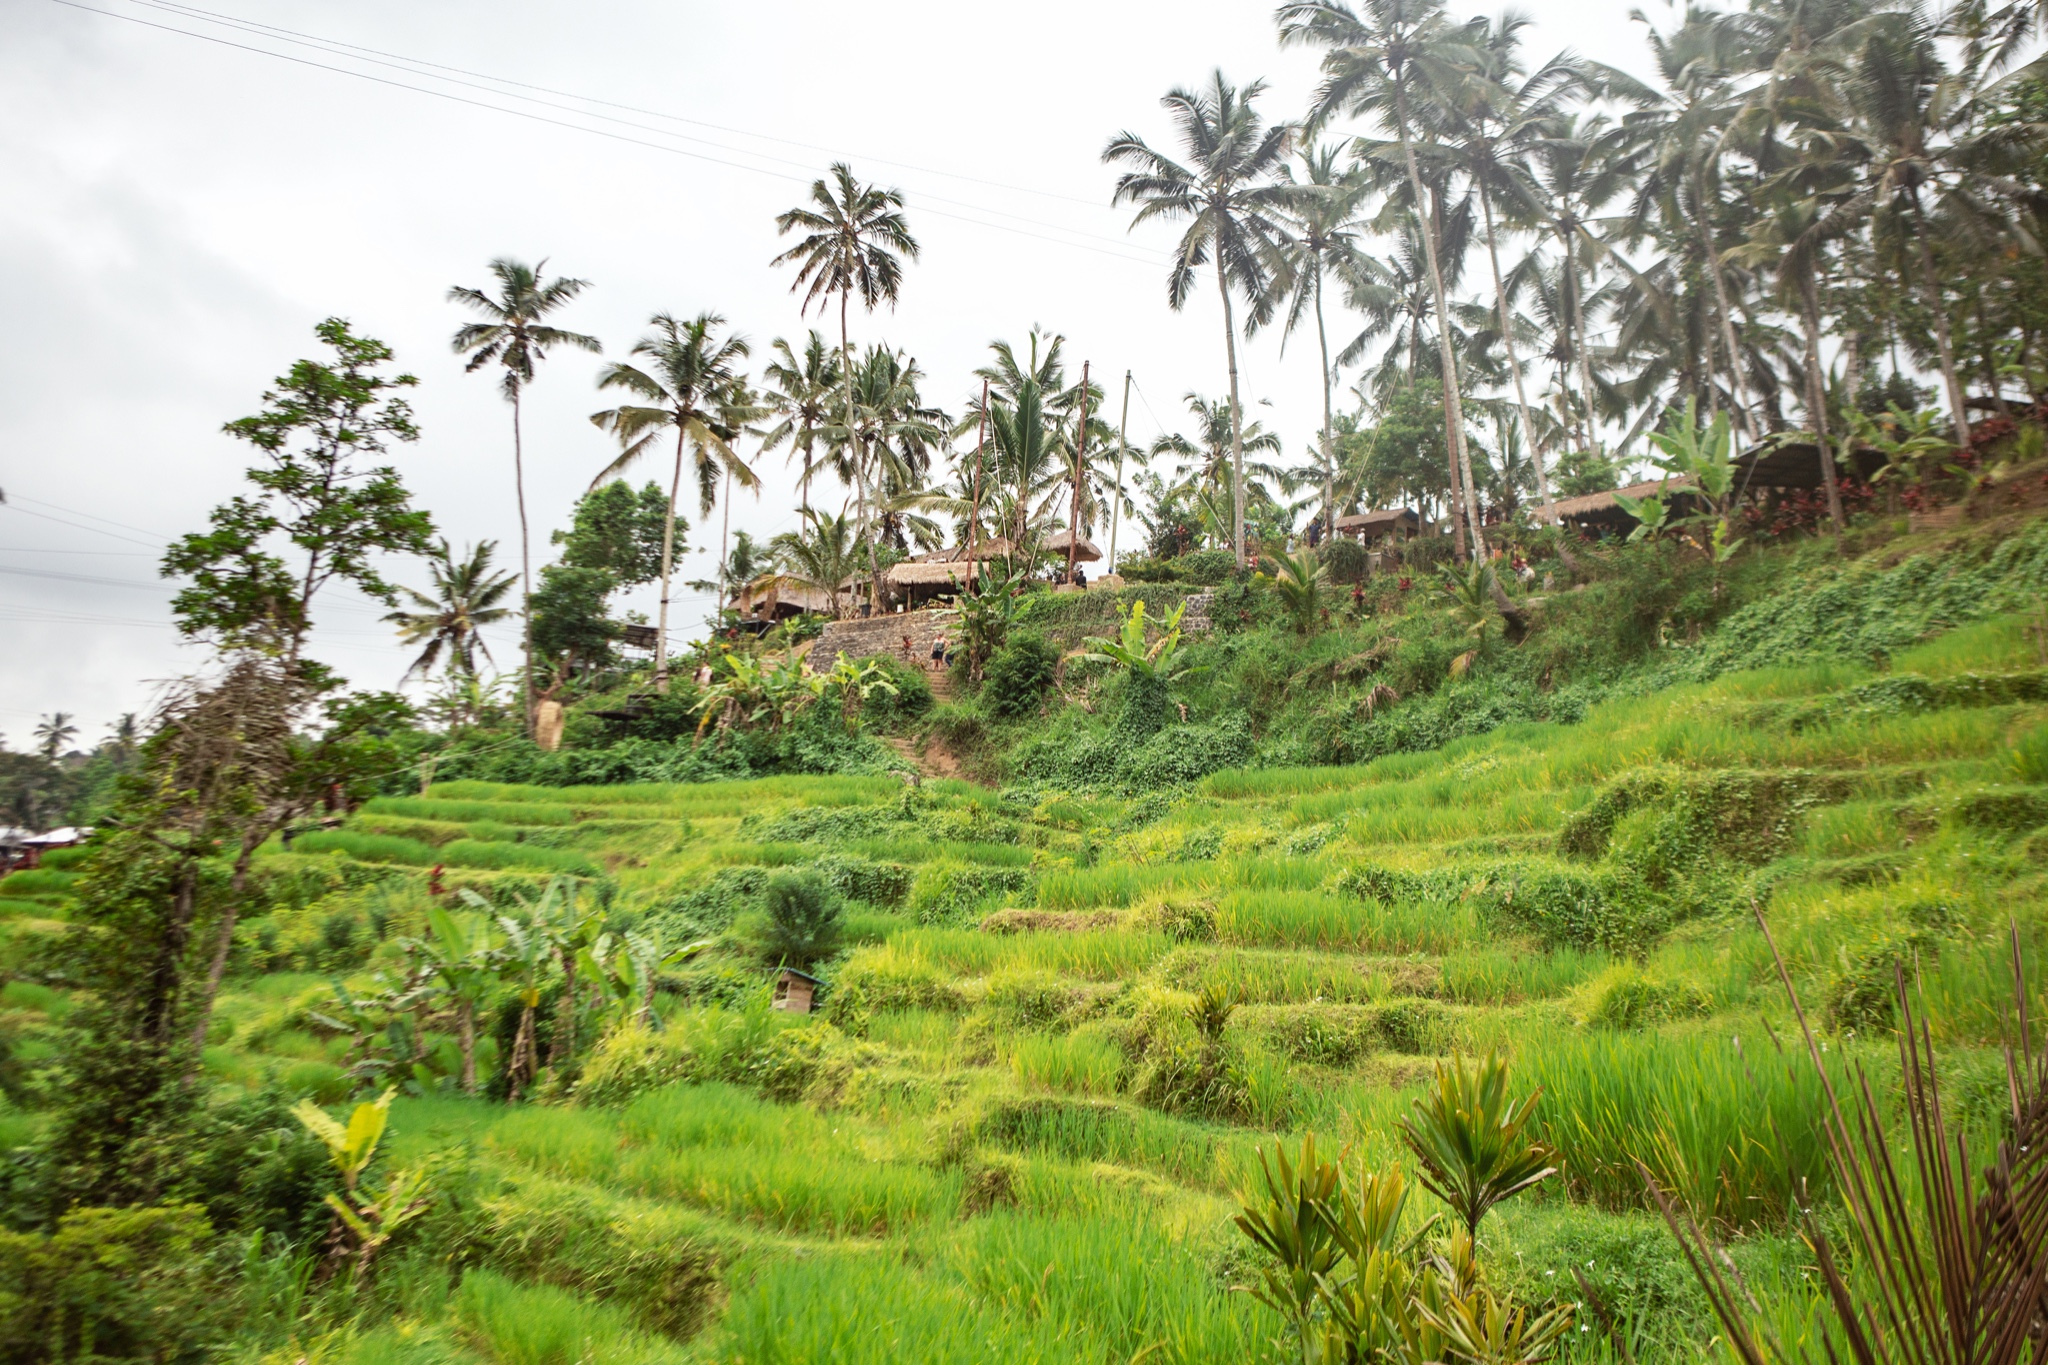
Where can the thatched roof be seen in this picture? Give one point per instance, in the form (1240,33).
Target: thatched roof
(1796,464)
(926,572)
(777,592)
(1056,546)
(1377,523)
(1592,504)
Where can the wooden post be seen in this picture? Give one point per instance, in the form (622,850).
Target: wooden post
(1116,500)
(1080,455)
(974,511)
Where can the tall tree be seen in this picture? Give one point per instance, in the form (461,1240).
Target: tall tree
(515,335)
(801,395)
(53,732)
(1323,226)
(691,385)
(451,616)
(1381,61)
(854,239)
(1227,192)
(821,554)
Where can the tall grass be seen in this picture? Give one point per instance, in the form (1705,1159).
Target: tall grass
(920,850)
(481,853)
(1201,1154)
(1086,888)
(462,812)
(1100,955)
(1083,1062)
(1278,978)
(537,1324)
(1291,919)
(368,848)
(1728,1123)
(721,1149)
(1507,976)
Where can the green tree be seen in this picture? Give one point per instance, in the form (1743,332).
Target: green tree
(692,386)
(854,238)
(1227,194)
(802,394)
(621,532)
(570,628)
(800,919)
(53,732)
(317,493)
(822,554)
(1382,61)
(451,618)
(515,335)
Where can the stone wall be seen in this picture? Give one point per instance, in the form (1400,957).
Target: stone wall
(1195,620)
(884,635)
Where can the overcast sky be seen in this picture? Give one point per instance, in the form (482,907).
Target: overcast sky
(176,214)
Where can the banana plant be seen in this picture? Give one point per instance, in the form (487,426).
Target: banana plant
(458,961)
(626,967)
(528,962)
(371,1219)
(1158,659)
(571,927)
(856,682)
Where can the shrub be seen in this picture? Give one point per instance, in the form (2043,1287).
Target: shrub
(947,891)
(886,710)
(1019,675)
(861,879)
(801,918)
(1345,559)
(110,1284)
(1206,567)
(1624,998)
(2028,759)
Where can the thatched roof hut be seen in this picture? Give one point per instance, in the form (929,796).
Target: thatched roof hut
(1399,522)
(1056,546)
(1601,511)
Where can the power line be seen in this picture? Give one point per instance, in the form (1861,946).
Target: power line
(616,136)
(332,44)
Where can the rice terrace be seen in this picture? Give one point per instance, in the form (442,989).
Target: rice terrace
(1546,862)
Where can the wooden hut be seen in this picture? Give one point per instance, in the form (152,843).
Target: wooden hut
(777,597)
(1599,512)
(794,990)
(1381,529)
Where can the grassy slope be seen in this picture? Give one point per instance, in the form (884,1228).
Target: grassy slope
(993,1155)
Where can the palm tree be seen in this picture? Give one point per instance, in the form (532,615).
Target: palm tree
(1501,113)
(692,386)
(451,617)
(1323,226)
(1209,453)
(53,732)
(1382,63)
(853,237)
(801,394)
(822,554)
(1229,196)
(514,335)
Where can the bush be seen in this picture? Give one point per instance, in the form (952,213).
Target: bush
(1019,675)
(1345,560)
(947,891)
(108,1285)
(800,920)
(1206,567)
(885,710)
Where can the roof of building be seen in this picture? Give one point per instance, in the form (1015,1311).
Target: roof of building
(791,971)
(59,838)
(1056,544)
(917,573)
(1590,503)
(1372,523)
(1794,462)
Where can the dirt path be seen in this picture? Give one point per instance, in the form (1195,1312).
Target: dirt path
(932,759)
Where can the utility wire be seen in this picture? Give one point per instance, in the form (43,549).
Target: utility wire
(614,136)
(336,43)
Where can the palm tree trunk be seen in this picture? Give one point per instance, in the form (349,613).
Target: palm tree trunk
(1507,337)
(1581,349)
(725,539)
(668,555)
(465,1035)
(1454,407)
(1737,386)
(1942,335)
(1236,416)
(1817,397)
(1329,458)
(525,563)
(860,468)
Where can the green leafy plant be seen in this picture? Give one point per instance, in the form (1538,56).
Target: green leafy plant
(1019,675)
(1471,1138)
(1298,580)
(855,683)
(801,918)
(372,1220)
(1159,659)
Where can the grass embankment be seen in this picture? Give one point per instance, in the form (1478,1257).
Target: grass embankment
(1003,1139)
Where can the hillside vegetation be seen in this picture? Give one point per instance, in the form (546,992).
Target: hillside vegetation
(1063,1017)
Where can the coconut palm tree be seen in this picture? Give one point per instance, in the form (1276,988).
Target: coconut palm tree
(1500,112)
(1323,226)
(692,386)
(513,334)
(53,732)
(854,237)
(802,393)
(1382,61)
(821,554)
(450,618)
(1207,457)
(1228,195)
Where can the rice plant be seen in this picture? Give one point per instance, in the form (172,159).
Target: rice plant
(1082,1063)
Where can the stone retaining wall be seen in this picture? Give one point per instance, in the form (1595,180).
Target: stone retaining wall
(884,635)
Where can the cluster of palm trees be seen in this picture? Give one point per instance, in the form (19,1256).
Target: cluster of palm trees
(1807,186)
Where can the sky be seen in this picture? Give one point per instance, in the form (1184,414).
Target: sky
(178,211)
